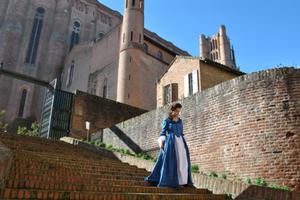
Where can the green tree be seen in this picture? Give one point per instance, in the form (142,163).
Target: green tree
(34,131)
(3,126)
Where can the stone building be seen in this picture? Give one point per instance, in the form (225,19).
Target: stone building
(124,65)
(86,46)
(36,36)
(189,75)
(218,48)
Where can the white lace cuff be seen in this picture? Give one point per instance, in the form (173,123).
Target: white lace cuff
(161,139)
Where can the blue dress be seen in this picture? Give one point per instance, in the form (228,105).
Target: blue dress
(165,173)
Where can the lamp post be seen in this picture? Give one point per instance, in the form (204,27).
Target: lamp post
(87,126)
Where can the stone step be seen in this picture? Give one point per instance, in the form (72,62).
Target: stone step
(63,195)
(100,187)
(72,180)
(79,176)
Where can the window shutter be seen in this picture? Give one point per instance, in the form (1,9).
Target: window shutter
(195,81)
(186,85)
(174,92)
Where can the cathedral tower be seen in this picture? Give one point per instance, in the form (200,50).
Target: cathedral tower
(217,48)
(131,45)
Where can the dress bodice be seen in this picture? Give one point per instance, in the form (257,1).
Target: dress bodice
(175,127)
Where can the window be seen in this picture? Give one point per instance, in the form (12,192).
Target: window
(191,83)
(140,38)
(131,36)
(133,3)
(70,74)
(123,37)
(145,47)
(100,35)
(141,3)
(167,94)
(170,93)
(35,36)
(94,87)
(126,3)
(159,55)
(75,35)
(22,103)
(105,91)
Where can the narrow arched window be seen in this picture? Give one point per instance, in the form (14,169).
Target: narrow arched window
(159,55)
(133,3)
(75,36)
(145,47)
(70,74)
(105,89)
(22,103)
(141,4)
(35,36)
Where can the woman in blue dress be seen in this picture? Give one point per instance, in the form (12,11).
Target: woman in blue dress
(173,165)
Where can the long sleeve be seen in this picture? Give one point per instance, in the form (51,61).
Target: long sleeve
(162,137)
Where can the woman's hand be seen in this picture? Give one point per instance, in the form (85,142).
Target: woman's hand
(161,145)
(161,141)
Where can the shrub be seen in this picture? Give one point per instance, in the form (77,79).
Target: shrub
(195,169)
(3,126)
(224,176)
(259,181)
(213,174)
(248,181)
(35,130)
(281,187)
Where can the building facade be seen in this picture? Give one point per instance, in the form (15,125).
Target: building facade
(86,46)
(125,64)
(36,36)
(189,75)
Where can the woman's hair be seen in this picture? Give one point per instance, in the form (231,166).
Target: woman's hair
(173,108)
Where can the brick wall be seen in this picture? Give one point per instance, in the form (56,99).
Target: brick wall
(100,112)
(245,127)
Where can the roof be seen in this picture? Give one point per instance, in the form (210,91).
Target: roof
(204,60)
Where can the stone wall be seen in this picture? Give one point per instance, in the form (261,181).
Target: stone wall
(100,112)
(245,127)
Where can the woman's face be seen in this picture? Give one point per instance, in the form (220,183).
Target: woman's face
(177,112)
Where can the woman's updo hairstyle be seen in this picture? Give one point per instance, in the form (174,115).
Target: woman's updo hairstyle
(173,107)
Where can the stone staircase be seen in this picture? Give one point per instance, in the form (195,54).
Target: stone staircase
(45,169)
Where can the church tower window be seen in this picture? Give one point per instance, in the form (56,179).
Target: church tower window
(159,55)
(105,91)
(70,74)
(35,36)
(75,36)
(22,103)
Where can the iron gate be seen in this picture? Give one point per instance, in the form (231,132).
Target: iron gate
(56,114)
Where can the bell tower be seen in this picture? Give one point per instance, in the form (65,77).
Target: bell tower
(131,46)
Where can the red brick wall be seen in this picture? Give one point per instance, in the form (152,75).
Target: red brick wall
(245,127)
(100,112)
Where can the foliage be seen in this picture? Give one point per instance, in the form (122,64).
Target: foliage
(213,174)
(3,126)
(224,176)
(259,181)
(248,181)
(34,131)
(281,187)
(195,169)
(236,179)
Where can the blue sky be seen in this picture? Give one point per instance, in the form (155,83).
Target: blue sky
(265,33)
